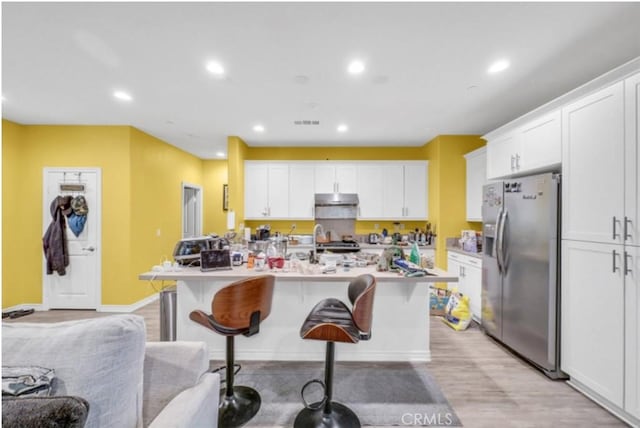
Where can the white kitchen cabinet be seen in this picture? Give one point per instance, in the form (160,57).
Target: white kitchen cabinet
(476,178)
(416,201)
(468,269)
(266,190)
(301,192)
(532,147)
(632,161)
(632,331)
(335,178)
(393,190)
(592,317)
(541,143)
(593,179)
(601,255)
(369,189)
(500,155)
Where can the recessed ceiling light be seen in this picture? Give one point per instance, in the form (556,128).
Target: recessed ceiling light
(215,68)
(258,128)
(343,128)
(498,66)
(220,154)
(356,67)
(121,95)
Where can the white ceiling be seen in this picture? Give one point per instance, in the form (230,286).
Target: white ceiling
(62,61)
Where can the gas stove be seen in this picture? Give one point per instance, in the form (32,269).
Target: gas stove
(338,246)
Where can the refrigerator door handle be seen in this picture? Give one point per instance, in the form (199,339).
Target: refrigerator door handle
(497,244)
(500,243)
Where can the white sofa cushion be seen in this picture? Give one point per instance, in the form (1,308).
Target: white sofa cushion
(100,360)
(169,369)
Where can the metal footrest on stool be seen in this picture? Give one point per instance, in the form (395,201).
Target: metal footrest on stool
(340,417)
(238,409)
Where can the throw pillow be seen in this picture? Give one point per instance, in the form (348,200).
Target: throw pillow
(38,412)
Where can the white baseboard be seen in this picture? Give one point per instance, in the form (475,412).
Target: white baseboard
(102,308)
(129,308)
(34,306)
(603,402)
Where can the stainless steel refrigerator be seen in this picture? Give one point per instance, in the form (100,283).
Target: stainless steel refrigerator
(520,277)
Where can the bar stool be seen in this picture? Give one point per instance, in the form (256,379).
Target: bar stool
(238,308)
(332,321)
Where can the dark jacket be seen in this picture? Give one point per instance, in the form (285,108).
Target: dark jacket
(54,241)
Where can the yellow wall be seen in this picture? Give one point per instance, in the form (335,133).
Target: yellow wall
(157,173)
(141,193)
(447,184)
(215,174)
(236,155)
(106,147)
(14,219)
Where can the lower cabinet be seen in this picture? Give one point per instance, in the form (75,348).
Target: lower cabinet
(600,322)
(468,269)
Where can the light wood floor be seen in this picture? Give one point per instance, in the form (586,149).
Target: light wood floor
(485,384)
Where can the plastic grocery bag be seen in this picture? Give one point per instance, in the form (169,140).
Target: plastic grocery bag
(457,314)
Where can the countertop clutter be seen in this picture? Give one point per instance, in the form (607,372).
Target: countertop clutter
(311,272)
(453,244)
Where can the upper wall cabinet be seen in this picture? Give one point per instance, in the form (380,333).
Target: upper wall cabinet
(335,178)
(532,147)
(301,191)
(476,178)
(265,190)
(393,190)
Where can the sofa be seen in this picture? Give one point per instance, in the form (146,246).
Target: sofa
(106,363)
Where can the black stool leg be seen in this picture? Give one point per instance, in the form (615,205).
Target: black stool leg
(238,404)
(332,415)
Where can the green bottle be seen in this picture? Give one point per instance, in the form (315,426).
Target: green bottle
(414,257)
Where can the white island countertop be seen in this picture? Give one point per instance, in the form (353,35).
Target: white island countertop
(241,272)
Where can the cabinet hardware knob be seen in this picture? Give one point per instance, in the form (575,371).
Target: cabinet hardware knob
(92,249)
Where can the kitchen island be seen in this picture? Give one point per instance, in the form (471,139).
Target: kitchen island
(400,329)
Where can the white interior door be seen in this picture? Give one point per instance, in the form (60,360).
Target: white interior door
(80,287)
(191,210)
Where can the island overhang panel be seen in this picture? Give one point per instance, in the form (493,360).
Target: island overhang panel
(400,329)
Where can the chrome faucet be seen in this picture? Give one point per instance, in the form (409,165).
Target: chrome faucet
(317,227)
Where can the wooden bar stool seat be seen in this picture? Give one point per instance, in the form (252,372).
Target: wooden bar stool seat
(236,309)
(332,321)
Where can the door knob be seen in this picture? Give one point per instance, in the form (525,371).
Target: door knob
(89,249)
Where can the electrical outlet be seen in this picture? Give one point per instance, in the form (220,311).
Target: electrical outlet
(401,226)
(293,226)
(158,233)
(376,226)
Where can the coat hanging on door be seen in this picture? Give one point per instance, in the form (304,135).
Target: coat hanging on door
(54,242)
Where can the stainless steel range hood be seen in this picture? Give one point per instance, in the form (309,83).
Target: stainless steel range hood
(336,205)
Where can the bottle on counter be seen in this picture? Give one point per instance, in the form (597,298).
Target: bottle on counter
(414,257)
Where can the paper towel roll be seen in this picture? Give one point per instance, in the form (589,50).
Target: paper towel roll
(231,220)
